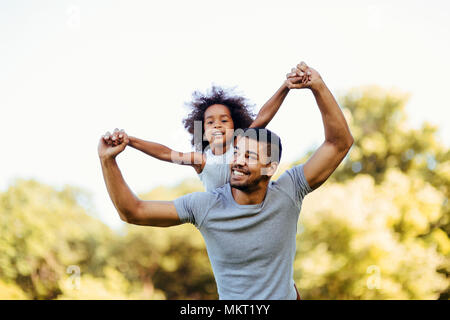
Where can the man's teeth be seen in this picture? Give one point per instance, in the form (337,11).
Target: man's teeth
(238,173)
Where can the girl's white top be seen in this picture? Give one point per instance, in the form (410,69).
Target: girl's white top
(216,172)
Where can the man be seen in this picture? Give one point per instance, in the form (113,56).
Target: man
(249,225)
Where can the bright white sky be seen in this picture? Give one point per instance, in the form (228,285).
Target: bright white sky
(72,70)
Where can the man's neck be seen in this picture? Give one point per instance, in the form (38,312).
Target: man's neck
(250,197)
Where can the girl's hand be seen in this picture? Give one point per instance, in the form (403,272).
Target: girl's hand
(116,138)
(109,148)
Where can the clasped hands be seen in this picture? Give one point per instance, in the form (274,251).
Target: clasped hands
(303,76)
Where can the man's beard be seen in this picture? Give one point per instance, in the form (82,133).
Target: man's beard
(242,187)
(248,185)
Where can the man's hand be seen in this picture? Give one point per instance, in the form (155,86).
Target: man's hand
(303,76)
(110,145)
(115,138)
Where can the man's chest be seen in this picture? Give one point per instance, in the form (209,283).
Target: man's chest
(239,239)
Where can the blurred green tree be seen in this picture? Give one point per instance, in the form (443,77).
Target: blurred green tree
(349,246)
(384,142)
(43,231)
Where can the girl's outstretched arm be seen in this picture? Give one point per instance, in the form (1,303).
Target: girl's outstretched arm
(194,159)
(161,152)
(270,108)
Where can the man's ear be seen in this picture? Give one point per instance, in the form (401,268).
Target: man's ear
(270,170)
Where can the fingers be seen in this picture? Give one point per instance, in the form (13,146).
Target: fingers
(298,77)
(306,69)
(116,138)
(297,72)
(121,134)
(302,66)
(107,138)
(295,83)
(295,86)
(291,74)
(295,79)
(300,74)
(126,139)
(123,137)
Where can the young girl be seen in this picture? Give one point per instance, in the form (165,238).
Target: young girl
(215,115)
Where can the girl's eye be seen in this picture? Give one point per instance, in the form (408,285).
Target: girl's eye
(209,122)
(224,120)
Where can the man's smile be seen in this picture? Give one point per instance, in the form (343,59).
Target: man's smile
(238,172)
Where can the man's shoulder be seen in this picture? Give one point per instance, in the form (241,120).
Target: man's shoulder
(292,173)
(217,194)
(195,207)
(293,182)
(220,192)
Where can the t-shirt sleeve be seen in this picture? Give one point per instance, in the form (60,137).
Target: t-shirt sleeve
(293,181)
(193,207)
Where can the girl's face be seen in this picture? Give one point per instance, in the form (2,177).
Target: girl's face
(218,124)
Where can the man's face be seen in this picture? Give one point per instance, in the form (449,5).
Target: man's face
(250,167)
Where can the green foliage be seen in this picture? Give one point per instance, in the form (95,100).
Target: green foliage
(362,241)
(172,260)
(51,249)
(10,291)
(383,140)
(42,231)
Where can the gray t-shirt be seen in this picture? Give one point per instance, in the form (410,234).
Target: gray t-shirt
(251,247)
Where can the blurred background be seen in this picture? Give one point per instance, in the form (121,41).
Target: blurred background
(71,70)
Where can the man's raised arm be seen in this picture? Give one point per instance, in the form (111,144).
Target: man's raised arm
(338,139)
(130,208)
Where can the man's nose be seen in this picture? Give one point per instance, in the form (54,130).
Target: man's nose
(239,160)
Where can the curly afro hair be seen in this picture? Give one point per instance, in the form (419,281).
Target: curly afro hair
(239,107)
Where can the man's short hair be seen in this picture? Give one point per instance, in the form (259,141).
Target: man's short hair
(273,141)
